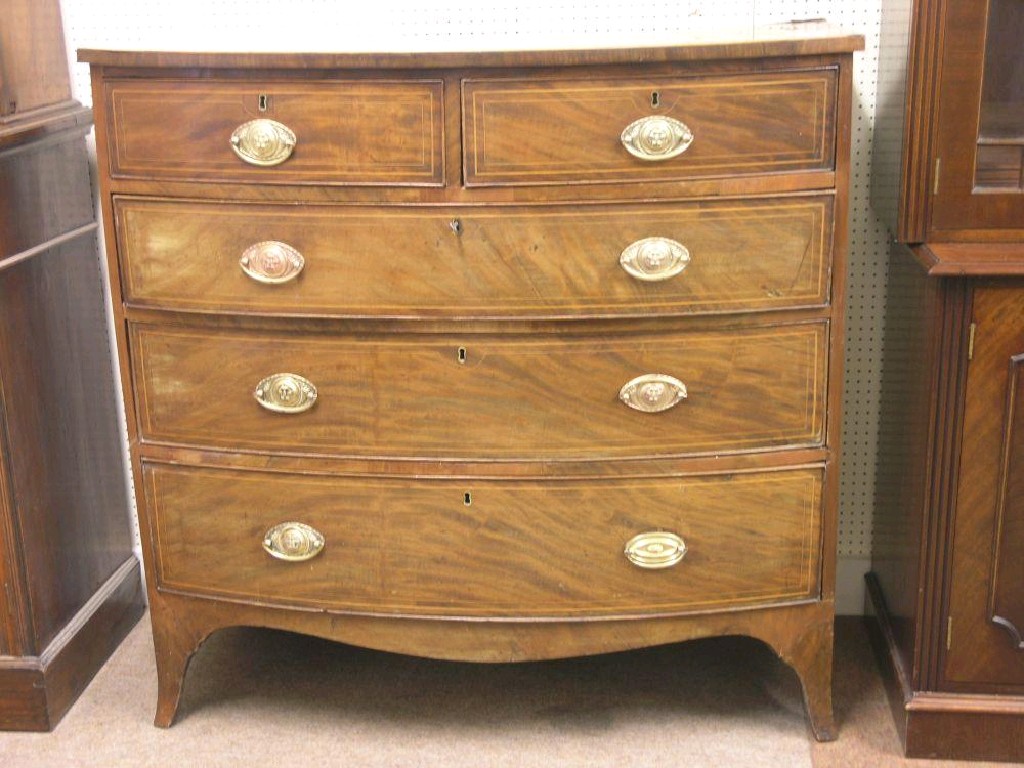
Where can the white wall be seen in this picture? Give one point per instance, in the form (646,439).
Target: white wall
(388,25)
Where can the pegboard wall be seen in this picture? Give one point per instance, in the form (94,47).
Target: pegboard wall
(394,25)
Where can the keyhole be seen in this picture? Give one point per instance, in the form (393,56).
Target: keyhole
(467,498)
(462,356)
(456,226)
(263,102)
(655,99)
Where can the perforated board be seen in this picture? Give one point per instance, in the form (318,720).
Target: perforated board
(395,25)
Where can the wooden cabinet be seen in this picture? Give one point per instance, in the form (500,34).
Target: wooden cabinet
(978,176)
(948,540)
(485,356)
(949,151)
(948,546)
(71,585)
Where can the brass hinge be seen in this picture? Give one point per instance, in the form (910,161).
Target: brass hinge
(970,342)
(949,632)
(938,171)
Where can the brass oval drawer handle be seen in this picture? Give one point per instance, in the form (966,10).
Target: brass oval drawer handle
(656,137)
(655,258)
(293,542)
(285,393)
(652,392)
(271,262)
(655,549)
(263,142)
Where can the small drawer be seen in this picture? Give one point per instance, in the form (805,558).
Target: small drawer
(551,261)
(277,132)
(484,397)
(487,548)
(562,131)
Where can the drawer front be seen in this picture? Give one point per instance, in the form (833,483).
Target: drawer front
(359,132)
(518,548)
(486,396)
(501,262)
(570,131)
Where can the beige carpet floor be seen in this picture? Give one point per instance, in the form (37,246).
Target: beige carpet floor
(261,698)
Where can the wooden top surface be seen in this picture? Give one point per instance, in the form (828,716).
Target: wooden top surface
(793,39)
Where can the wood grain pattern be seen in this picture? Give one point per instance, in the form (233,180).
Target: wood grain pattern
(368,132)
(972,259)
(541,131)
(937,538)
(942,46)
(37,691)
(962,727)
(902,163)
(1006,598)
(527,419)
(14,635)
(31,173)
(512,398)
(960,203)
(33,59)
(807,649)
(471,262)
(948,588)
(982,652)
(518,548)
(66,490)
(948,726)
(775,40)
(927,348)
(798,182)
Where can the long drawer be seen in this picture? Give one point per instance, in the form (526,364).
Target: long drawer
(503,397)
(327,132)
(571,131)
(487,548)
(670,258)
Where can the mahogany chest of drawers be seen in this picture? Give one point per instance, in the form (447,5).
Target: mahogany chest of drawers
(484,356)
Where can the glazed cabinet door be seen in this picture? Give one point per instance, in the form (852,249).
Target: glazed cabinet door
(985,631)
(978,179)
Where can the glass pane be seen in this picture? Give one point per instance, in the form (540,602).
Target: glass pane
(1000,161)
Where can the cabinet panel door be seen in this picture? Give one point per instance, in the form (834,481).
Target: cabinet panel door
(986,602)
(980,134)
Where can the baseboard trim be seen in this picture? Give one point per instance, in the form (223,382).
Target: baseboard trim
(37,691)
(942,725)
